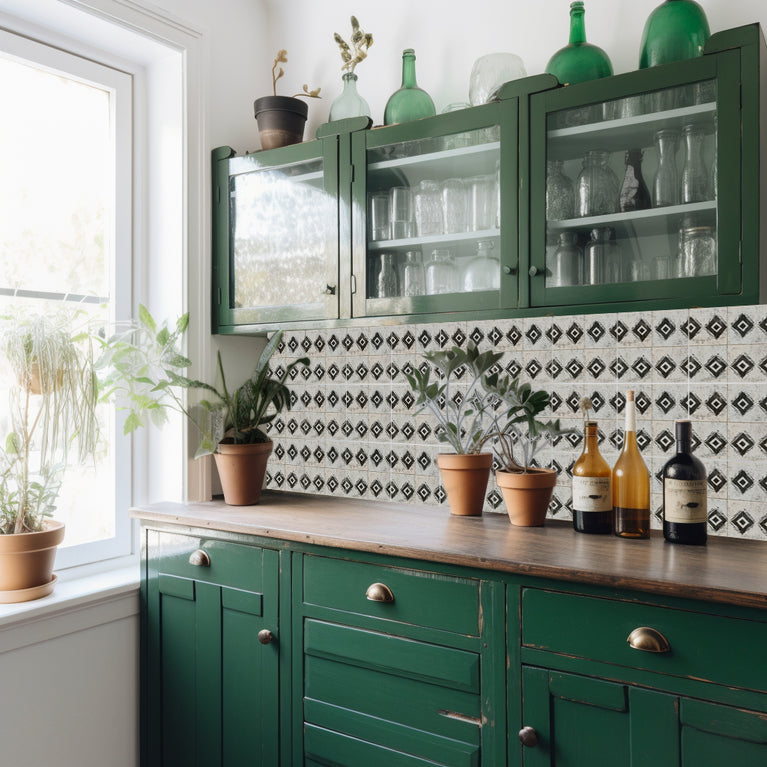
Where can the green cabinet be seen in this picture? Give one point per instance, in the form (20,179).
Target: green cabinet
(334,230)
(210,646)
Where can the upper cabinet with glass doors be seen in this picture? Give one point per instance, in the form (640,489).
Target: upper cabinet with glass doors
(434,214)
(642,185)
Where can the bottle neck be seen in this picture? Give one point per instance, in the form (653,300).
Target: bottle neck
(408,71)
(683,437)
(631,419)
(577,26)
(591,443)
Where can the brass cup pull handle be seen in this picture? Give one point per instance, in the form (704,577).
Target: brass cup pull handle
(528,737)
(379,592)
(648,640)
(200,558)
(265,636)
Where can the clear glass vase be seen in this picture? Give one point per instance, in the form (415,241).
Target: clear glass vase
(484,271)
(597,190)
(694,175)
(349,103)
(666,184)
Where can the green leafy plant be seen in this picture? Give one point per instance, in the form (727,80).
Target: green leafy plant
(356,52)
(278,72)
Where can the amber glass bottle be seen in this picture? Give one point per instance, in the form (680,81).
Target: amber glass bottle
(631,483)
(592,495)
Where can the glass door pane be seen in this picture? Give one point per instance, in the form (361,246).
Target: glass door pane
(631,189)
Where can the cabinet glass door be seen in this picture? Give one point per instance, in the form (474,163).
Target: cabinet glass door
(434,199)
(626,193)
(281,233)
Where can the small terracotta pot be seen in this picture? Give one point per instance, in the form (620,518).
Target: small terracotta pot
(241,469)
(281,120)
(527,495)
(465,480)
(26,562)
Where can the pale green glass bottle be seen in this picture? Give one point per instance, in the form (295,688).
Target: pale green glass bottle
(409,102)
(579,61)
(675,30)
(349,103)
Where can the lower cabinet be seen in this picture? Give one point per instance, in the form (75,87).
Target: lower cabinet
(210,654)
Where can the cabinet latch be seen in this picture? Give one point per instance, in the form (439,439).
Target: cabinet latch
(354,284)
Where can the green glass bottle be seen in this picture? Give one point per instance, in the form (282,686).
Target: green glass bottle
(675,30)
(579,61)
(409,102)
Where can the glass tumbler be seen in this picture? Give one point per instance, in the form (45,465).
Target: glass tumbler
(597,187)
(428,209)
(401,212)
(455,208)
(441,273)
(380,221)
(413,283)
(482,201)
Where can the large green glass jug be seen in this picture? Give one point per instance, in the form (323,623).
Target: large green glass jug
(675,30)
(579,61)
(409,102)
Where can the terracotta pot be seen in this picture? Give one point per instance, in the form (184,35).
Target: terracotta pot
(241,469)
(464,478)
(281,120)
(26,563)
(527,495)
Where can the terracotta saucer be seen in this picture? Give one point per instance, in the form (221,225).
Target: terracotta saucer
(27,595)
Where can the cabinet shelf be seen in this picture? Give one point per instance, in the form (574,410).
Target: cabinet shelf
(625,133)
(467,153)
(437,239)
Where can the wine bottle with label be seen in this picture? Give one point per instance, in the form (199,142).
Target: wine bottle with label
(631,483)
(685,492)
(592,494)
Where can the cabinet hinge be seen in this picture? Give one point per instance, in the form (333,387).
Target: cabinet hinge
(353,174)
(354,284)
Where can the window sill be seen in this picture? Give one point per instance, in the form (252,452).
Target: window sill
(79,602)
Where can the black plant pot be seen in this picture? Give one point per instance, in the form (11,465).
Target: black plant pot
(281,120)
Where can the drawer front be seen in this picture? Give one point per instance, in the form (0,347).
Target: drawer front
(418,597)
(701,646)
(206,559)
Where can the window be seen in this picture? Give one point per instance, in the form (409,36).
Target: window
(66,240)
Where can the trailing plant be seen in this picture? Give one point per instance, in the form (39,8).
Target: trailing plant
(277,73)
(356,52)
(463,416)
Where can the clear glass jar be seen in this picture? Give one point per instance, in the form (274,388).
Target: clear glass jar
(413,283)
(694,176)
(698,252)
(386,281)
(566,265)
(441,273)
(666,184)
(455,206)
(484,271)
(603,258)
(428,209)
(597,189)
(560,195)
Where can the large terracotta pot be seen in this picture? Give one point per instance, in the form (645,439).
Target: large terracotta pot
(464,478)
(241,469)
(26,563)
(281,120)
(527,495)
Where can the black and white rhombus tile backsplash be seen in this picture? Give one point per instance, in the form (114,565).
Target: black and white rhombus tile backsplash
(351,431)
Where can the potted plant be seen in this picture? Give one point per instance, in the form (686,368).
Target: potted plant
(463,421)
(52,418)
(281,119)
(230,423)
(514,409)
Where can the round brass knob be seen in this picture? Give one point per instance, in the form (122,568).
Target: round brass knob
(528,737)
(200,558)
(379,592)
(265,636)
(533,271)
(648,640)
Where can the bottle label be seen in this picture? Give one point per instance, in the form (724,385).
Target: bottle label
(685,500)
(592,494)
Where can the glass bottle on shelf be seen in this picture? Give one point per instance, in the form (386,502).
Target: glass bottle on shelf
(579,61)
(694,177)
(566,264)
(349,103)
(597,188)
(386,281)
(409,102)
(666,184)
(484,271)
(675,30)
(634,194)
(412,274)
(698,251)
(603,257)
(441,273)
(560,196)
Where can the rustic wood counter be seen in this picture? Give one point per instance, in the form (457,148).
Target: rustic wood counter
(726,570)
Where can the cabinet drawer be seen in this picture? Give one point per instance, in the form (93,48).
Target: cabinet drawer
(205,559)
(420,598)
(703,647)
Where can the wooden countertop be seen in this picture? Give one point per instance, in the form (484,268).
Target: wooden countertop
(726,570)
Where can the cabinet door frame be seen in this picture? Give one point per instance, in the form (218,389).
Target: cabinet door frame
(721,288)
